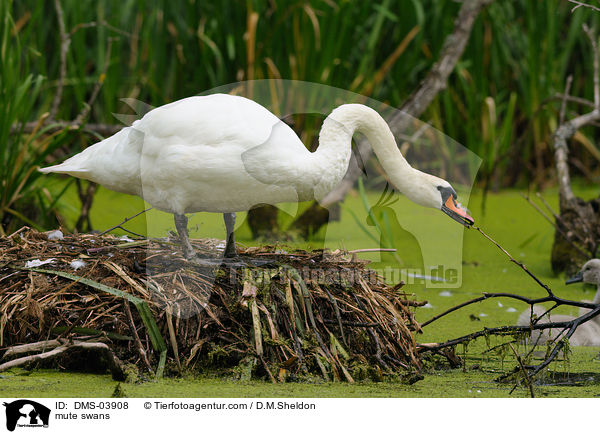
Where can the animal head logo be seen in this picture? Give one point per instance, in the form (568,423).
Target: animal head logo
(26,413)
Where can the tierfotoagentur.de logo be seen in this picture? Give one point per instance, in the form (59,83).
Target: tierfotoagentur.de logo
(25,413)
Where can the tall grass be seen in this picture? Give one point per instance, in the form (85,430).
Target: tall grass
(496,103)
(20,154)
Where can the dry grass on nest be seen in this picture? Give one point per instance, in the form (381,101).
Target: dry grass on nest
(301,314)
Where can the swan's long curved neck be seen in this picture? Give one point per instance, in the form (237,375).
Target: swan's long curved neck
(335,147)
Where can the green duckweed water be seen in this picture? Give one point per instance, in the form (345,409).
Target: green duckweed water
(507,218)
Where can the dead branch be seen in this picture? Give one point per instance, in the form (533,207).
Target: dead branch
(563,104)
(31,348)
(524,370)
(530,301)
(567,130)
(512,329)
(579,4)
(578,220)
(114,364)
(568,326)
(136,337)
(556,226)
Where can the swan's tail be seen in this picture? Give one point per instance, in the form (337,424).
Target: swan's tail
(114,162)
(73,166)
(82,165)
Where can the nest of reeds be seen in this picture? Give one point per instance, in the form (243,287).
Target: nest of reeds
(272,314)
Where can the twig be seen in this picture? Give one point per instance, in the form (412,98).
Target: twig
(572,325)
(102,129)
(578,4)
(485,296)
(538,281)
(371,250)
(507,330)
(568,98)
(102,23)
(84,223)
(136,336)
(262,360)
(592,38)
(352,323)
(547,205)
(563,104)
(337,313)
(556,227)
(524,370)
(119,226)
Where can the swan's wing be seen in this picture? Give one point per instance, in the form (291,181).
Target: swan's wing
(221,134)
(283,160)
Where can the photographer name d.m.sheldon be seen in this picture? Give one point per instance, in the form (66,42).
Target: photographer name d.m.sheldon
(283,405)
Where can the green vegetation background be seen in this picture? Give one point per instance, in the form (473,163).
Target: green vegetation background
(500,101)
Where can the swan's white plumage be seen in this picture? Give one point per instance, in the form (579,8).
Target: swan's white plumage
(217,153)
(224,153)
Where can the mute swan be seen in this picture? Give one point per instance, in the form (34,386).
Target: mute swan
(588,333)
(224,153)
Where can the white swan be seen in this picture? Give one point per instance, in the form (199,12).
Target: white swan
(224,153)
(588,333)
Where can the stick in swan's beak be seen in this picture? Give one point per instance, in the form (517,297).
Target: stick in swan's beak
(455,211)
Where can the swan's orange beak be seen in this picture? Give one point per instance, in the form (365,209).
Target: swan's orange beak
(455,211)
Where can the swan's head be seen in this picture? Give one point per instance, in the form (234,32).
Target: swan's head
(448,203)
(432,192)
(589,273)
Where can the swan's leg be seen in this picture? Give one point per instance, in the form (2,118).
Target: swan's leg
(229,218)
(181,225)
